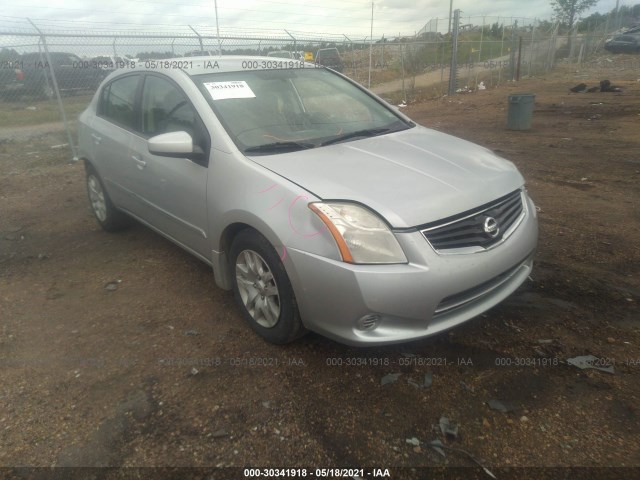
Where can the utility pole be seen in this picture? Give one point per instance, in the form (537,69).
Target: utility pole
(450,15)
(370,47)
(453,70)
(215,2)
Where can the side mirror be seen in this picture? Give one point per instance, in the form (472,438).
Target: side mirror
(172,144)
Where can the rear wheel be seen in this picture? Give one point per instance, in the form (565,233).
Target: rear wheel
(263,290)
(109,217)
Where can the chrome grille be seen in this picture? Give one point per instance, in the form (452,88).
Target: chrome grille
(477,229)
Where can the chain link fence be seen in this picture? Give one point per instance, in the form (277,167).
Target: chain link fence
(50,71)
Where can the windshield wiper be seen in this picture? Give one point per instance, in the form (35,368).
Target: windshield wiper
(367,132)
(279,147)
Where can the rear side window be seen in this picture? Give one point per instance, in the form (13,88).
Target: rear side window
(117,102)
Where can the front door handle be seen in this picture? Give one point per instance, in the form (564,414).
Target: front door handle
(96,138)
(139,162)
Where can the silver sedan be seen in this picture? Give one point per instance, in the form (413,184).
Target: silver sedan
(320,205)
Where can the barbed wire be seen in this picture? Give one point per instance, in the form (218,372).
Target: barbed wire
(21,27)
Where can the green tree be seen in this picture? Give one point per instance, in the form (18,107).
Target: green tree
(567,11)
(413,62)
(496,30)
(9,55)
(592,21)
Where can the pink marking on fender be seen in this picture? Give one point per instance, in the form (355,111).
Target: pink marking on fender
(279,202)
(270,188)
(308,235)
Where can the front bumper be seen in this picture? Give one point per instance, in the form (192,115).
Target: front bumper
(385,304)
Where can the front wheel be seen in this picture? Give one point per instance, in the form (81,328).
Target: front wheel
(109,217)
(263,290)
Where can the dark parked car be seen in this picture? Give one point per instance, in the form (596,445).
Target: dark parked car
(330,57)
(623,44)
(72,73)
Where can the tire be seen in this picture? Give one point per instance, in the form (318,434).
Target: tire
(109,217)
(263,290)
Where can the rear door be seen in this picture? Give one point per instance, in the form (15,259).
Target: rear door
(112,133)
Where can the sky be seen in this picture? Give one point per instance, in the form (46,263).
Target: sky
(339,17)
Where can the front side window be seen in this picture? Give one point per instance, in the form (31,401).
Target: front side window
(272,111)
(165,108)
(118,101)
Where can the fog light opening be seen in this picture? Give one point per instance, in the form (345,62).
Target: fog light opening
(368,322)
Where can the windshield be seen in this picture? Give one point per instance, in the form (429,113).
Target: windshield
(275,111)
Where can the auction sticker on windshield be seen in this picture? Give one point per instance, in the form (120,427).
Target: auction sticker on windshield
(225,90)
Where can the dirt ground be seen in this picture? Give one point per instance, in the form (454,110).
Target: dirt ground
(119,350)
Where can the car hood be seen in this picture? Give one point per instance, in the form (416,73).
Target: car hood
(411,177)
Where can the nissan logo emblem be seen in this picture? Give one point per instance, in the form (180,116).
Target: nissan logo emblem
(491,227)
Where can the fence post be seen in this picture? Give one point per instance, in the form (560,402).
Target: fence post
(370,47)
(453,70)
(571,38)
(533,42)
(404,92)
(552,47)
(441,61)
(512,53)
(519,59)
(57,92)
(295,45)
(199,37)
(480,49)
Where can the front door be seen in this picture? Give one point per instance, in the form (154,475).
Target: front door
(173,191)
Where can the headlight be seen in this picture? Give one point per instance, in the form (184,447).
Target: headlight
(361,236)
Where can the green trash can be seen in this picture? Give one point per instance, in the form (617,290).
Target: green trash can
(520,111)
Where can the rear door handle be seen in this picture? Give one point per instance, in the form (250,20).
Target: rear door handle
(96,138)
(140,163)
